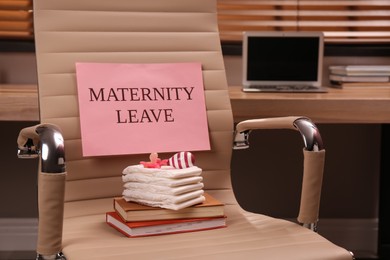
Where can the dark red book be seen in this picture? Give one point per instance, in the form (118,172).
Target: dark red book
(159,227)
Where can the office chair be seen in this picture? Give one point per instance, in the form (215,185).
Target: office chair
(75,192)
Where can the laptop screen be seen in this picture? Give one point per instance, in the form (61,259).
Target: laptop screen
(282,58)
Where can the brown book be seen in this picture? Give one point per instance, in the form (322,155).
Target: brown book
(131,211)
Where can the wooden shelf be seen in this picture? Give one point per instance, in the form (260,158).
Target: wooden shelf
(348,105)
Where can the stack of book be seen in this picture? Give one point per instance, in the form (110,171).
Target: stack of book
(135,220)
(359,75)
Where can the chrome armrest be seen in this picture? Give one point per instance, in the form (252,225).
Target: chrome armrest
(45,141)
(314,157)
(310,134)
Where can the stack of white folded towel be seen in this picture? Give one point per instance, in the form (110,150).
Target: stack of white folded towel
(165,187)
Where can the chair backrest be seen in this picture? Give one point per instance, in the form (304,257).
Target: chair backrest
(146,31)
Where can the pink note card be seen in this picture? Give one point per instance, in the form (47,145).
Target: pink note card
(141,108)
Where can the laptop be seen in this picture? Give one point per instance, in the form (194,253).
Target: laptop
(283,62)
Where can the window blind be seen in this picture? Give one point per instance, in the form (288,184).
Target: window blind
(345,21)
(16,19)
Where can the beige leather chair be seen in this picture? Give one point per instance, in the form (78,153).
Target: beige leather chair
(147,31)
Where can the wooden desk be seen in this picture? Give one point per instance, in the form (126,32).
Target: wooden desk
(19,103)
(348,105)
(352,105)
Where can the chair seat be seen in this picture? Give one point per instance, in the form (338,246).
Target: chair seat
(86,234)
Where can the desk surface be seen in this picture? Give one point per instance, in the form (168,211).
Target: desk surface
(348,105)
(18,103)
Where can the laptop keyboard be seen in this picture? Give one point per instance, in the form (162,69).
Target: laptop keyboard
(286,87)
(282,88)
